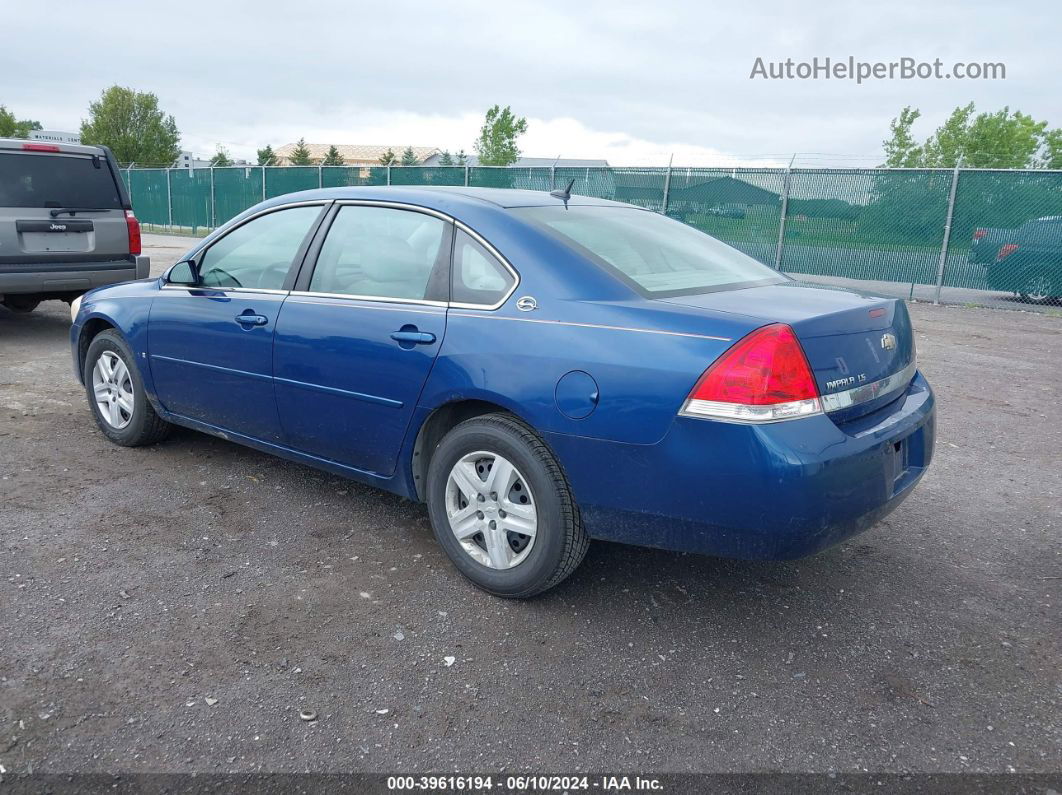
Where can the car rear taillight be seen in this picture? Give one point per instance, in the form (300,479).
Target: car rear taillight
(40,147)
(765,377)
(1005,251)
(979,233)
(133,226)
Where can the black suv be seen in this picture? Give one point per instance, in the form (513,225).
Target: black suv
(66,224)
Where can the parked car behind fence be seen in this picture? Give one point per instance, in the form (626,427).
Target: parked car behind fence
(1026,260)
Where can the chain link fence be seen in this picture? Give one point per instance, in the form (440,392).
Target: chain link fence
(960,234)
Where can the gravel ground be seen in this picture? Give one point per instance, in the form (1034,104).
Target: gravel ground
(174,608)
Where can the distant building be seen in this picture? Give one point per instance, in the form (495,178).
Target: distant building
(356,154)
(189,161)
(55,136)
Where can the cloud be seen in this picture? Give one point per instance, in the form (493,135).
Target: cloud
(570,138)
(627,81)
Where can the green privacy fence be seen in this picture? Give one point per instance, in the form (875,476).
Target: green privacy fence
(968,228)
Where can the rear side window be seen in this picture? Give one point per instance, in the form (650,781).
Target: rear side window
(655,255)
(51,181)
(381,252)
(478,278)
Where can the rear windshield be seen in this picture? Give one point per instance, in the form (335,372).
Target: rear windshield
(38,180)
(654,254)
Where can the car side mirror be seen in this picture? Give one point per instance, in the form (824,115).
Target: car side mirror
(184,272)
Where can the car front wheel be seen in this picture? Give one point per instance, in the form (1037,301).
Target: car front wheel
(116,394)
(502,509)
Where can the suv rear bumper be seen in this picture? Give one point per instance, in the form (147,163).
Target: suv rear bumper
(70,277)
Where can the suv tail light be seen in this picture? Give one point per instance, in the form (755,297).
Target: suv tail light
(133,226)
(1005,251)
(40,147)
(765,377)
(979,233)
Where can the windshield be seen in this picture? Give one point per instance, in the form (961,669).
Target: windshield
(657,256)
(41,181)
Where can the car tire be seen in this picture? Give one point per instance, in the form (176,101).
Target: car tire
(129,428)
(500,560)
(1038,289)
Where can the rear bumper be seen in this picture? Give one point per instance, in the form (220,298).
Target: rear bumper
(776,491)
(70,277)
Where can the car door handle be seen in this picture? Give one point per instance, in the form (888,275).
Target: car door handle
(415,337)
(251,320)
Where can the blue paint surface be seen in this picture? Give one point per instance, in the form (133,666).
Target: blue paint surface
(598,370)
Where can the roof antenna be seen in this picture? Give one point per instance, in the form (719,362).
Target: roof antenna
(565,194)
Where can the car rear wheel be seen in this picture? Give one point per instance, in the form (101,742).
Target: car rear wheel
(502,509)
(1038,289)
(116,394)
(21,304)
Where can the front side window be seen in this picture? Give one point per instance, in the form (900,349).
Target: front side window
(478,278)
(656,255)
(258,254)
(381,252)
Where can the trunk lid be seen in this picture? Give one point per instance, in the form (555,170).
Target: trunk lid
(850,340)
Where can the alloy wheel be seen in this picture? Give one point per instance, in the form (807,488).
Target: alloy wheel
(1037,289)
(112,388)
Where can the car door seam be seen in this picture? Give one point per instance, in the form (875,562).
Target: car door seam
(214,367)
(397,404)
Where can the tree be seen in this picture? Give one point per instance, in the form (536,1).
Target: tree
(1051,157)
(1003,140)
(388,158)
(10,127)
(497,138)
(266,156)
(333,158)
(461,158)
(901,151)
(409,157)
(221,158)
(979,140)
(906,207)
(300,155)
(446,159)
(131,124)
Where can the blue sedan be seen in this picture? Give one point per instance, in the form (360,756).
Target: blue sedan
(539,368)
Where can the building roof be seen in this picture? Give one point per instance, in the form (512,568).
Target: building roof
(357,153)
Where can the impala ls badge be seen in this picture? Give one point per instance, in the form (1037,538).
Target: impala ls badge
(526,304)
(888,342)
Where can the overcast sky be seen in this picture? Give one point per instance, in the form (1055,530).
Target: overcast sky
(633,82)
